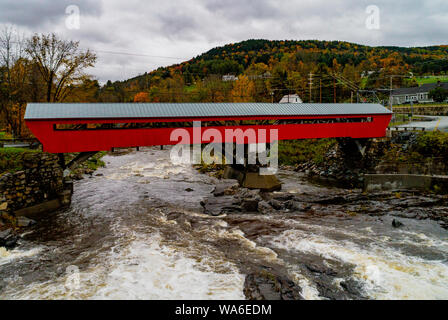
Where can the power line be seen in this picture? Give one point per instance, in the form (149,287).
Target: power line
(138,55)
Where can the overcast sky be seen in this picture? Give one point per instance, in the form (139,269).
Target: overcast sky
(160,33)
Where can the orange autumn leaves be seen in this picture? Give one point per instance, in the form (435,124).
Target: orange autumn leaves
(243,90)
(142,97)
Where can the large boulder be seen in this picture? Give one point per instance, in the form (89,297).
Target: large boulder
(267,286)
(216,206)
(229,187)
(254,180)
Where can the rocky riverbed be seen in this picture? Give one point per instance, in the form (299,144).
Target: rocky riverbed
(227,198)
(143,228)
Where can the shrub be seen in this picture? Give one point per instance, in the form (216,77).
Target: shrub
(438,94)
(432,144)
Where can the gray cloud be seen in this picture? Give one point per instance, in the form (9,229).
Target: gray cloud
(34,13)
(174,24)
(237,10)
(160,30)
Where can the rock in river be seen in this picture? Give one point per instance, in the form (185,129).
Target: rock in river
(265,286)
(25,222)
(216,206)
(397,224)
(226,187)
(8,239)
(250,205)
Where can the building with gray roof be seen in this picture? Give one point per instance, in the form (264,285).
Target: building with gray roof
(416,94)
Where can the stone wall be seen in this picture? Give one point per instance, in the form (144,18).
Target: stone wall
(430,166)
(381,182)
(40,181)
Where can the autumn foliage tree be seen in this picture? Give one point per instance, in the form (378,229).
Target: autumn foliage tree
(37,69)
(142,97)
(243,90)
(14,84)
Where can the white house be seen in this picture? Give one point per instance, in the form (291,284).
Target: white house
(291,98)
(229,77)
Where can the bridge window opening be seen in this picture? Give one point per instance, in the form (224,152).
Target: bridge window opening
(115,126)
(155,125)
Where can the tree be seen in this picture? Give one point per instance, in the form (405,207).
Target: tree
(438,94)
(14,69)
(87,91)
(141,97)
(215,89)
(60,62)
(410,83)
(278,83)
(243,90)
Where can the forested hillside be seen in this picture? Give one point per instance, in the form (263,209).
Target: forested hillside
(267,70)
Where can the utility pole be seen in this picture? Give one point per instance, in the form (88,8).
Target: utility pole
(320,90)
(334,89)
(391,87)
(311,87)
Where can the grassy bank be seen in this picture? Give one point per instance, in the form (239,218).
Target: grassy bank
(431,79)
(300,151)
(95,162)
(88,166)
(5,136)
(289,153)
(11,159)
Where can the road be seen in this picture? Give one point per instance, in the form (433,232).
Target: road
(435,122)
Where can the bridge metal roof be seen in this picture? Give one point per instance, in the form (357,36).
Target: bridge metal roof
(48,111)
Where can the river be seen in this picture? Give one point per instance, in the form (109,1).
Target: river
(135,230)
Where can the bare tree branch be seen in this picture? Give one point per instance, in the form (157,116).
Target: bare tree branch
(60,62)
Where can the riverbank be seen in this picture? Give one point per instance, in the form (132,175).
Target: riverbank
(405,153)
(31,183)
(137,230)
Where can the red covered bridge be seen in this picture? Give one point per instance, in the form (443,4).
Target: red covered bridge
(87,127)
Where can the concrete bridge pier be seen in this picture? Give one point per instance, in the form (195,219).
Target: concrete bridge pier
(249,179)
(248,175)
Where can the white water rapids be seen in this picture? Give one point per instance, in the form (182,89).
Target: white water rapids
(117,242)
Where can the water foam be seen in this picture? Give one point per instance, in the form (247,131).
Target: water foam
(385,272)
(7,256)
(150,271)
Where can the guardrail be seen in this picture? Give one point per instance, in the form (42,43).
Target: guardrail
(20,142)
(14,140)
(399,129)
(441,110)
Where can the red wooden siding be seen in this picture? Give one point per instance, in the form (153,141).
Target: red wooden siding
(65,141)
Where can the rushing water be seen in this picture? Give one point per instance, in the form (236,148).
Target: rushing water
(135,231)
